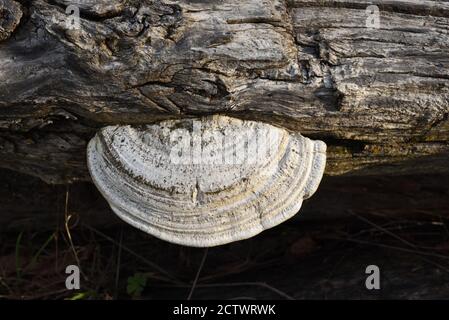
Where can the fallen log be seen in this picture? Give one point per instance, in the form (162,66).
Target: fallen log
(379,97)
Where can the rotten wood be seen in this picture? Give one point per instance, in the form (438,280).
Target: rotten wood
(378,97)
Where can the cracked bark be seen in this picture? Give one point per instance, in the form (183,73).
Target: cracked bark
(378,97)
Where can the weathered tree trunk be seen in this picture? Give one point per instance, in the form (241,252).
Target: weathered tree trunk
(378,97)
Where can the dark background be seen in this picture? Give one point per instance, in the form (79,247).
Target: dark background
(399,223)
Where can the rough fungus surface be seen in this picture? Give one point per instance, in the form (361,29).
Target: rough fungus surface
(378,97)
(252,177)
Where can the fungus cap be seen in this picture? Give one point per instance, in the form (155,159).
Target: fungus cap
(205,182)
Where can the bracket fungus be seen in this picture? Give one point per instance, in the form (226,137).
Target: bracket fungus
(205,182)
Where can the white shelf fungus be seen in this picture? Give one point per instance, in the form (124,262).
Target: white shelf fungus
(205,182)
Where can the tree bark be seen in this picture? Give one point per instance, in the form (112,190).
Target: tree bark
(379,97)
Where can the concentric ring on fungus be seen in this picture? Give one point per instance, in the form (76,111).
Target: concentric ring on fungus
(205,182)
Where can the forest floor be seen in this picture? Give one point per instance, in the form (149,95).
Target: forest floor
(400,224)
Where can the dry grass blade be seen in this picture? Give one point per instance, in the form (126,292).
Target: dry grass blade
(168,277)
(383,230)
(117,271)
(198,273)
(67,218)
(419,252)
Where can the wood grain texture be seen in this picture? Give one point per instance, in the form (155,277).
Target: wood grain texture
(379,98)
